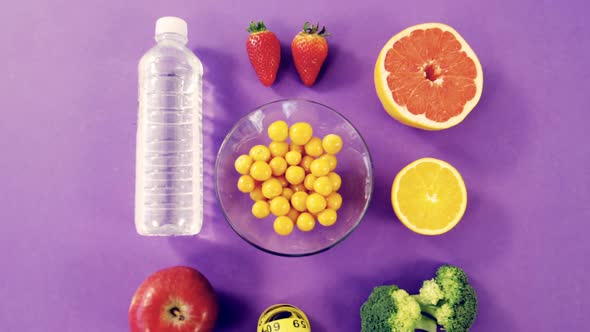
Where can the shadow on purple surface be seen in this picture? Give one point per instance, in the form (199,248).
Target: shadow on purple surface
(316,323)
(482,236)
(489,313)
(286,67)
(342,68)
(220,98)
(381,202)
(232,311)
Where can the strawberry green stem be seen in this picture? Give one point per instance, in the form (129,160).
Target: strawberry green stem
(256,27)
(314,29)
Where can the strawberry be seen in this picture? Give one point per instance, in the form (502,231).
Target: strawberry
(310,49)
(264,51)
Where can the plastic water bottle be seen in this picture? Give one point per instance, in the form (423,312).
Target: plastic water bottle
(169,165)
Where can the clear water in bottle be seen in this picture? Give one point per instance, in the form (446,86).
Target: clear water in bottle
(169,186)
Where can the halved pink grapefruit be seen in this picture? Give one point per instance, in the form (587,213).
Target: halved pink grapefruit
(428,77)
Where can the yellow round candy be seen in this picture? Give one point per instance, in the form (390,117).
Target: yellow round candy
(298,187)
(243,164)
(283,181)
(334,201)
(271,188)
(315,203)
(278,165)
(319,167)
(332,143)
(306,163)
(336,180)
(293,214)
(314,147)
(278,149)
(278,131)
(327,217)
(279,206)
(246,184)
(293,158)
(305,222)
(300,133)
(295,174)
(295,147)
(283,225)
(288,193)
(256,194)
(260,152)
(309,181)
(299,200)
(331,159)
(260,209)
(260,171)
(323,185)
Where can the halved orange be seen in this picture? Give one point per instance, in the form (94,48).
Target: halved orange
(428,77)
(429,196)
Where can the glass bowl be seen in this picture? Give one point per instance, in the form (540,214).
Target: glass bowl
(354,166)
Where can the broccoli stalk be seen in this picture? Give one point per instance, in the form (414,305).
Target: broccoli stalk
(391,309)
(425,324)
(449,298)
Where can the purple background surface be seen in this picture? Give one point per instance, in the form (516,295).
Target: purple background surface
(71,259)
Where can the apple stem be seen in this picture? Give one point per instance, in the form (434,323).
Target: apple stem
(176,313)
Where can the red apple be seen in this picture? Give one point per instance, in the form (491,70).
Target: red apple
(177,299)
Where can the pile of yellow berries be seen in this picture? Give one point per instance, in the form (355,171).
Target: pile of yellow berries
(296,182)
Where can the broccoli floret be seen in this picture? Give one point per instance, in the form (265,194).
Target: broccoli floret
(430,292)
(450,299)
(391,309)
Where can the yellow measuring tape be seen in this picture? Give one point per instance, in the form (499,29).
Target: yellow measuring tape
(283,318)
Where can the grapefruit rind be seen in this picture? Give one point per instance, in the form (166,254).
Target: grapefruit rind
(404,219)
(401,113)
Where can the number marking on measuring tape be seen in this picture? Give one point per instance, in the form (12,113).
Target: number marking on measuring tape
(283,318)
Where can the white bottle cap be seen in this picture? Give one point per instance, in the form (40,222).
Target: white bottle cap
(171,24)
